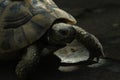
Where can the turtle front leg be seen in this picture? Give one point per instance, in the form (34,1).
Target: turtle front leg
(28,62)
(90,42)
(35,56)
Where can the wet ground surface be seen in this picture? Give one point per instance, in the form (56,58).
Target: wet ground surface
(100,17)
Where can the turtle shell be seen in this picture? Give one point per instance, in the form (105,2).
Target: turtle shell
(22,22)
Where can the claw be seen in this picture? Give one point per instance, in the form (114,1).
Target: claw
(90,61)
(94,57)
(98,58)
(96,53)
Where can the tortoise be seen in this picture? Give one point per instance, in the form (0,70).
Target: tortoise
(32,29)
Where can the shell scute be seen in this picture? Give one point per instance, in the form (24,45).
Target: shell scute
(15,15)
(23,23)
(3,5)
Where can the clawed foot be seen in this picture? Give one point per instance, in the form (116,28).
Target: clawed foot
(95,58)
(96,53)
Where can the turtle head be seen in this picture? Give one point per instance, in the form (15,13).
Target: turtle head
(61,33)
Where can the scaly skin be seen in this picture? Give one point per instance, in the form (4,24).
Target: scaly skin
(36,53)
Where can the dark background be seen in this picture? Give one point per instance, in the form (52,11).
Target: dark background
(99,17)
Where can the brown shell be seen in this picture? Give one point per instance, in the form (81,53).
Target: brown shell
(24,22)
